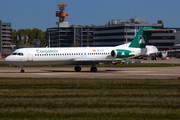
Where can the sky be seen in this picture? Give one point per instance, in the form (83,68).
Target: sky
(29,14)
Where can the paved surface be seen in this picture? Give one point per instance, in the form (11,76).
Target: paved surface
(171,61)
(1,59)
(102,73)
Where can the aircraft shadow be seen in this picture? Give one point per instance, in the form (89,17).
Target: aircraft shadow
(99,71)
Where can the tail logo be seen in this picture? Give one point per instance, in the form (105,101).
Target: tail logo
(142,39)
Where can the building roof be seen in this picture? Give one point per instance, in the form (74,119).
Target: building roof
(6,23)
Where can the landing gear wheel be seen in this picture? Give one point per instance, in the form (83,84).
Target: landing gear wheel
(93,69)
(22,71)
(77,69)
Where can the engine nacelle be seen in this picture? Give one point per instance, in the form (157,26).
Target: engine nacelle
(119,53)
(151,50)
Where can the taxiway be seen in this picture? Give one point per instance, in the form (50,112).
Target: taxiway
(102,73)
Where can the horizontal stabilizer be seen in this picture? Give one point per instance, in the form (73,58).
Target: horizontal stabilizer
(155,30)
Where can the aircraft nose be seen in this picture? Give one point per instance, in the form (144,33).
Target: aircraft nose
(7,60)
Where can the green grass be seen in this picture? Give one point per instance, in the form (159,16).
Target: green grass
(3,64)
(86,99)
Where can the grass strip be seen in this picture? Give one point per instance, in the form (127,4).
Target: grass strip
(87,99)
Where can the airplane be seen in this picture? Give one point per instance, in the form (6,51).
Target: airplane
(83,55)
(164,54)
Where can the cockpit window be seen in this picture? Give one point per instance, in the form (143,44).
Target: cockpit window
(14,54)
(21,54)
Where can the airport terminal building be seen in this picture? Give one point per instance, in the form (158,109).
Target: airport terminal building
(120,31)
(113,33)
(165,40)
(75,35)
(5,37)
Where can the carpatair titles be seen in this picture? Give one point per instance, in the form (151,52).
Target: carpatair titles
(46,51)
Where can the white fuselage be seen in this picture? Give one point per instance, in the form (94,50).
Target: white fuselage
(68,56)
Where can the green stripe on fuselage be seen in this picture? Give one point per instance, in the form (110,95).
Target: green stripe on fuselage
(123,53)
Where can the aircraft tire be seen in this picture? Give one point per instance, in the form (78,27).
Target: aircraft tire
(22,71)
(77,69)
(93,69)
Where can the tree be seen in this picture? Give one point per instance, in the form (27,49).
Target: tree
(14,38)
(32,34)
(161,22)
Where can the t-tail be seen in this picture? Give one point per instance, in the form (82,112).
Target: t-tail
(137,47)
(142,38)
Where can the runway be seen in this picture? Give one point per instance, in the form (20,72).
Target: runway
(102,73)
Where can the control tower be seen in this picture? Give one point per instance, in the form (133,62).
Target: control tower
(62,14)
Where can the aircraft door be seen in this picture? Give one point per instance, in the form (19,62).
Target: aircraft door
(29,56)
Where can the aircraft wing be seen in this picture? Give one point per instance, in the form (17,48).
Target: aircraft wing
(173,50)
(176,50)
(95,61)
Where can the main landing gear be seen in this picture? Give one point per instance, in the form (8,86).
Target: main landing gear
(93,69)
(78,69)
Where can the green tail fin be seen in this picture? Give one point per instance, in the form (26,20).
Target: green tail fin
(142,38)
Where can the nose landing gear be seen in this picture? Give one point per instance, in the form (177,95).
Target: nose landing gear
(22,71)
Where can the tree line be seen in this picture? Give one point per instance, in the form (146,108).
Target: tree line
(31,33)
